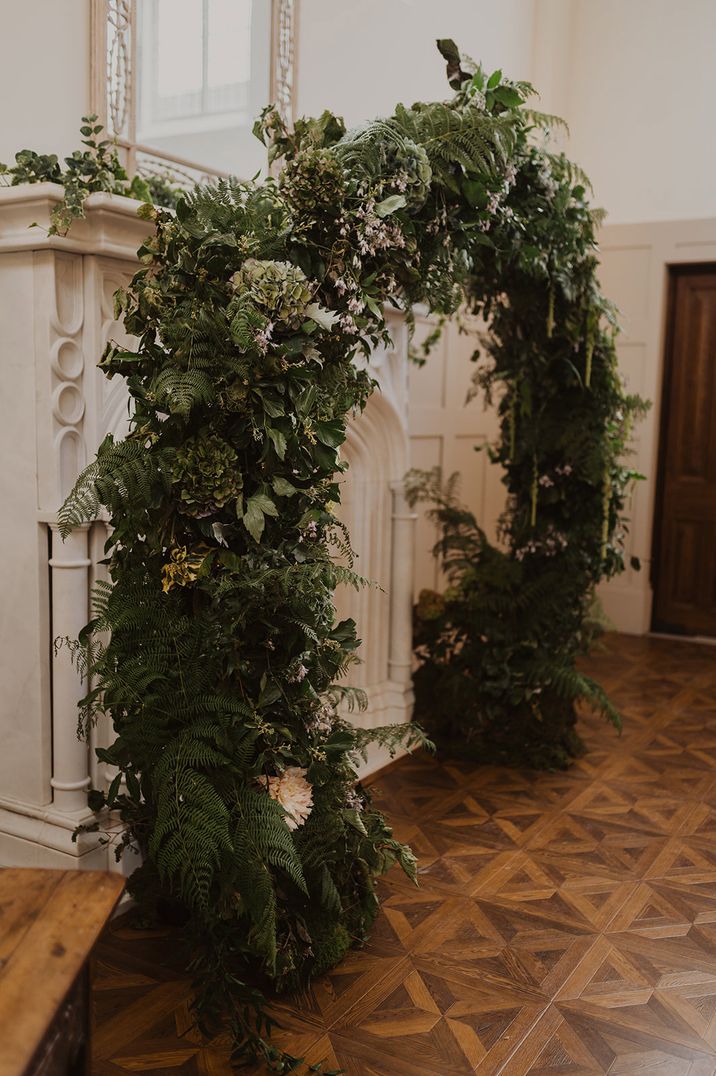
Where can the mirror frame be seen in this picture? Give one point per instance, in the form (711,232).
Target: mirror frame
(113,96)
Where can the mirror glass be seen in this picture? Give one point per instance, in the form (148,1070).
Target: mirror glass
(203,77)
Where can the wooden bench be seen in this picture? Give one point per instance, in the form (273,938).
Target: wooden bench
(49,922)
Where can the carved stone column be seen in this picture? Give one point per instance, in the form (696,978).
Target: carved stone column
(70,565)
(400,662)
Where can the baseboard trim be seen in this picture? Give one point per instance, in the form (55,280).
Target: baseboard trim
(702,640)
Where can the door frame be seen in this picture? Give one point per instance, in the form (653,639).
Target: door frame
(674,271)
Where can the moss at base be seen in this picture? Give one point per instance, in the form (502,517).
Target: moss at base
(329,947)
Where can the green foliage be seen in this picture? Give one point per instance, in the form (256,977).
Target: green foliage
(191,837)
(94,168)
(497,651)
(121,473)
(216,651)
(206,473)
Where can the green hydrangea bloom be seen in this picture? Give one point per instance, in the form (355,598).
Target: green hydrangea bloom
(314,180)
(278,289)
(206,469)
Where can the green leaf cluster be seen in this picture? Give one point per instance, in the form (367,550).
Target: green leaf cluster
(95,168)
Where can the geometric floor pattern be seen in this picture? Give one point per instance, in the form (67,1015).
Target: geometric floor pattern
(565,922)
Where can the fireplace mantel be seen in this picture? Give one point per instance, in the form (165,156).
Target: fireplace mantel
(57,315)
(110,226)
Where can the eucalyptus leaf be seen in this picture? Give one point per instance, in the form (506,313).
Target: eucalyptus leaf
(390,204)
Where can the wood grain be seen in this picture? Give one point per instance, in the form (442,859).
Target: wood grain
(49,922)
(685,520)
(565,923)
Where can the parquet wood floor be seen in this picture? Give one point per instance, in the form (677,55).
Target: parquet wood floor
(565,922)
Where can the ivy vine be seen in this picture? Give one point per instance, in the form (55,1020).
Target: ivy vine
(224,668)
(95,168)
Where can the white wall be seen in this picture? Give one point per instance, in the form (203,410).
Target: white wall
(638,88)
(360,58)
(445,433)
(44,75)
(635,79)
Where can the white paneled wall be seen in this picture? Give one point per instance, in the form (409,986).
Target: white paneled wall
(635,262)
(445,431)
(634,273)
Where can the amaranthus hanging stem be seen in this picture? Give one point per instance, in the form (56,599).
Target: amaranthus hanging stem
(606,505)
(588,361)
(535,487)
(550,313)
(512,419)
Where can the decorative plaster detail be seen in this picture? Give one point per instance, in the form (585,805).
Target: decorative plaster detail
(68,405)
(66,317)
(382,532)
(67,401)
(181,175)
(119,67)
(283,58)
(66,359)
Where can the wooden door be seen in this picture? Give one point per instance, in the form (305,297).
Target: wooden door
(685,523)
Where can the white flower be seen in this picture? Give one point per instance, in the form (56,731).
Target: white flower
(493,202)
(323,719)
(325,318)
(353,800)
(263,338)
(298,674)
(293,792)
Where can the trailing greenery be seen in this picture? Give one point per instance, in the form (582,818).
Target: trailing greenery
(94,168)
(497,677)
(216,650)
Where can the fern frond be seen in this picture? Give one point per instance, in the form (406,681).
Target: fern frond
(263,840)
(122,472)
(179,391)
(476,141)
(191,835)
(406,735)
(546,121)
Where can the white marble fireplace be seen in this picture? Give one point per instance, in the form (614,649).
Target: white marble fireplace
(56,314)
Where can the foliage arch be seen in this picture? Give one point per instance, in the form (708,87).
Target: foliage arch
(221,672)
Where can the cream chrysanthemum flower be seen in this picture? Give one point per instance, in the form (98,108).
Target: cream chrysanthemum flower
(293,792)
